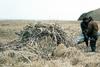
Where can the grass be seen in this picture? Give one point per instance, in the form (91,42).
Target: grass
(8,29)
(64,57)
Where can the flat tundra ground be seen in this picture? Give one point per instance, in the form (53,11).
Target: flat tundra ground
(73,56)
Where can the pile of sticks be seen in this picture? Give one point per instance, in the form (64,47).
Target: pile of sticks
(33,34)
(43,38)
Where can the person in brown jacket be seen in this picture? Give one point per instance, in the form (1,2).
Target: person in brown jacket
(90,30)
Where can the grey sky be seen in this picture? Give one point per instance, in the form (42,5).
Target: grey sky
(46,9)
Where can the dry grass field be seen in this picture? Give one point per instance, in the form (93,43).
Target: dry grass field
(75,56)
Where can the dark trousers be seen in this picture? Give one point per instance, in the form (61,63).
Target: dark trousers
(93,40)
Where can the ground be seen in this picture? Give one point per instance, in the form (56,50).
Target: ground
(75,56)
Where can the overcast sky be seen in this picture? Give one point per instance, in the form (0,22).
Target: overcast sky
(46,9)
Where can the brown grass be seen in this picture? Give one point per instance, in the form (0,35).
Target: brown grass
(63,57)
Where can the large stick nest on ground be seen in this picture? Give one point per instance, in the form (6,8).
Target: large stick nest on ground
(36,33)
(41,39)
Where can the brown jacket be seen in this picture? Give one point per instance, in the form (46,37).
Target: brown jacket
(92,28)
